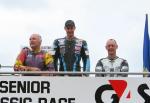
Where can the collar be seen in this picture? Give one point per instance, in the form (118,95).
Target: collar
(113,58)
(35,51)
(70,39)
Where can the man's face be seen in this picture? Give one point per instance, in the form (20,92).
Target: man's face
(35,41)
(111,47)
(70,30)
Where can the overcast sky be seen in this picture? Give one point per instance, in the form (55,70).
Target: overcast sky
(96,21)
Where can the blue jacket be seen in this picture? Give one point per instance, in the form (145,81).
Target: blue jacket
(69,54)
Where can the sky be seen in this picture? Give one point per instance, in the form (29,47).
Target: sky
(96,22)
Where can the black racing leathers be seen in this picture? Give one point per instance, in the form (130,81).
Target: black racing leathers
(69,54)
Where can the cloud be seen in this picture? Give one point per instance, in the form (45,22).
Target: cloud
(31,5)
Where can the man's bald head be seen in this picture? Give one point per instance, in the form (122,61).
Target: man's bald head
(35,41)
(111,47)
(38,36)
(111,41)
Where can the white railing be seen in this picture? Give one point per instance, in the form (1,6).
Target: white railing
(47,72)
(50,72)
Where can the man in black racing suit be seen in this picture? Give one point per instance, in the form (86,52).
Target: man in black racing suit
(69,51)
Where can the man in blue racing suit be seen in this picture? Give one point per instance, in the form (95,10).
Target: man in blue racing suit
(69,51)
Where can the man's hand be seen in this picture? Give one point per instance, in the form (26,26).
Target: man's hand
(27,68)
(32,68)
(21,68)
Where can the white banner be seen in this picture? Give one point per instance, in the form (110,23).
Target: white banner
(40,89)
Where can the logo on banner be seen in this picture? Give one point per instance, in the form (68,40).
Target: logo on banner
(143,94)
(119,86)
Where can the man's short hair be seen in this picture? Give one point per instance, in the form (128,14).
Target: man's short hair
(69,23)
(38,35)
(112,40)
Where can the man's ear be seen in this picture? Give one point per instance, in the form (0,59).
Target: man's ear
(106,47)
(116,46)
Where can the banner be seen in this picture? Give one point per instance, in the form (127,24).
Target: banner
(40,89)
